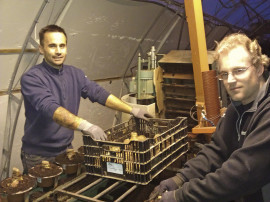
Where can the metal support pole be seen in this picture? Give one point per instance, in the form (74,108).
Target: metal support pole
(139,77)
(198,48)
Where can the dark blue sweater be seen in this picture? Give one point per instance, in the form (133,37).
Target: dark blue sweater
(44,89)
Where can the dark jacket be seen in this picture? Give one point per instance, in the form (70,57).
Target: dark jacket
(44,89)
(236,163)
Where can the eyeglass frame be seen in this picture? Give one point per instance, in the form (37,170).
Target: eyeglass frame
(233,72)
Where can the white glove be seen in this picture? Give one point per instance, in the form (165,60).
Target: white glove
(93,130)
(140,113)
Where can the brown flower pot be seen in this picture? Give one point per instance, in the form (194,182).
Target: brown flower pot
(18,193)
(46,177)
(71,168)
(71,164)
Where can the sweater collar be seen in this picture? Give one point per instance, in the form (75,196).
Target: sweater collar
(51,69)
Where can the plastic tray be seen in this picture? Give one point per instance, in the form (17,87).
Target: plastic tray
(138,161)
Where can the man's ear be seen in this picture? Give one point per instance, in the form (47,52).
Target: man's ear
(41,49)
(260,70)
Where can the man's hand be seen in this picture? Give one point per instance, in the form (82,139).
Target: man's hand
(168,196)
(93,130)
(140,113)
(170,184)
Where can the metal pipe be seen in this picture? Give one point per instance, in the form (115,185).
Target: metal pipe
(126,193)
(9,137)
(149,60)
(108,189)
(167,35)
(8,142)
(77,179)
(139,77)
(90,185)
(25,44)
(181,33)
(62,12)
(78,196)
(153,56)
(4,170)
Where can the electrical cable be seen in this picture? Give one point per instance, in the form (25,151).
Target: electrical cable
(206,119)
(193,113)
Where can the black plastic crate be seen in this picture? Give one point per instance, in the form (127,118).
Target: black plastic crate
(138,161)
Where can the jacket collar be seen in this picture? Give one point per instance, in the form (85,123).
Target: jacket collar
(51,69)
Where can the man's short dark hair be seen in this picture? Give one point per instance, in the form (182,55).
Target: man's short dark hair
(50,28)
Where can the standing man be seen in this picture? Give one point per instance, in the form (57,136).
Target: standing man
(52,93)
(235,164)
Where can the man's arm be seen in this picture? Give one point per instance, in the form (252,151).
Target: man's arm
(65,118)
(117,104)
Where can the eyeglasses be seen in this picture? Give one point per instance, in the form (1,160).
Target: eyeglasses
(236,73)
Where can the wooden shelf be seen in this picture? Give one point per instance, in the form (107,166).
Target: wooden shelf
(177,56)
(17,50)
(178,76)
(203,130)
(178,85)
(183,57)
(177,111)
(179,95)
(180,99)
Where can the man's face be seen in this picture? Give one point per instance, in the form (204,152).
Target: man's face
(54,48)
(242,86)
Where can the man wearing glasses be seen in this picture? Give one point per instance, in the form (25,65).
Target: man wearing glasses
(235,165)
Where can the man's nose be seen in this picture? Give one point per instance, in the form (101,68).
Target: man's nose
(231,77)
(58,50)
